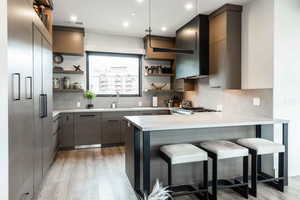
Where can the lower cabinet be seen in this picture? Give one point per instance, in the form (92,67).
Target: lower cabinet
(106,128)
(66,137)
(87,128)
(111,130)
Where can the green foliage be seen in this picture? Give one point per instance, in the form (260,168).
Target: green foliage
(89,94)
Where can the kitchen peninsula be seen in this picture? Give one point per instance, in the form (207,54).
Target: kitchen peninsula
(148,133)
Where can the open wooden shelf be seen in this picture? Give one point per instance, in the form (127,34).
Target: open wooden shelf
(67,72)
(161,75)
(155,90)
(69,90)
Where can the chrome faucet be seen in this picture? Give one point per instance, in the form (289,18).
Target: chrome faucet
(115,104)
(118,98)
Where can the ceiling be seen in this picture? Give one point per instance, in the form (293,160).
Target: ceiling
(109,16)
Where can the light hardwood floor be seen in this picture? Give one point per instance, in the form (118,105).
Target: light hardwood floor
(99,174)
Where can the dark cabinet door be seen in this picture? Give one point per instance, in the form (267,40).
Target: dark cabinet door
(38,132)
(87,128)
(187,38)
(47,119)
(66,137)
(111,130)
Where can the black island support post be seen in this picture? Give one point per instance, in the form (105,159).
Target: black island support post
(146,157)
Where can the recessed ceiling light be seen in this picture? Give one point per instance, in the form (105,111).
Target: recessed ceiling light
(163,28)
(133,14)
(73,18)
(140,1)
(125,24)
(188,6)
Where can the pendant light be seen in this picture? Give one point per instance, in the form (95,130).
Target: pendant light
(164,50)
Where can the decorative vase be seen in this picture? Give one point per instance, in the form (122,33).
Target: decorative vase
(89,105)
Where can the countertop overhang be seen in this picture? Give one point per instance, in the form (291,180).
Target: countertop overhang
(198,120)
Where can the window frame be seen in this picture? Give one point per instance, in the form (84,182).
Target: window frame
(139,56)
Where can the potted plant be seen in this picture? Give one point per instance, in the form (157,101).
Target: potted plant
(158,193)
(89,95)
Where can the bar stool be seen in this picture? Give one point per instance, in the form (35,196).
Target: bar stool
(258,147)
(219,150)
(185,153)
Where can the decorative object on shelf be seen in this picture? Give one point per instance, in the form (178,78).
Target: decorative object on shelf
(56,83)
(76,85)
(158,193)
(66,82)
(77,68)
(149,70)
(68,90)
(155,101)
(58,69)
(158,87)
(166,70)
(58,58)
(89,95)
(158,70)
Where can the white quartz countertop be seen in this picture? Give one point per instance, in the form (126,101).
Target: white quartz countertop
(198,120)
(57,112)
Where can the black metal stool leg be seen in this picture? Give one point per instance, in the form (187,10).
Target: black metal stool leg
(205,179)
(245,176)
(169,174)
(281,171)
(215,178)
(253,189)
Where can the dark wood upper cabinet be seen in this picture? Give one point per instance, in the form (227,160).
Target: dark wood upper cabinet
(225,47)
(68,40)
(193,36)
(159,42)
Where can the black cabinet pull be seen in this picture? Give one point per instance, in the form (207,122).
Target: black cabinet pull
(43,106)
(87,115)
(25,196)
(28,87)
(113,120)
(16,86)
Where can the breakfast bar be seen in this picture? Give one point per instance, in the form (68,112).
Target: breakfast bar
(148,133)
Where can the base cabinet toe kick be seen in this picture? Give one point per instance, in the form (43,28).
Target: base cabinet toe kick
(144,164)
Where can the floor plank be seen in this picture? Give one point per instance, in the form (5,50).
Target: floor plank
(99,174)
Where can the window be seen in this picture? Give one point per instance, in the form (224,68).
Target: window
(109,73)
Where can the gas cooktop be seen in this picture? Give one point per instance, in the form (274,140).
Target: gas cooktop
(200,109)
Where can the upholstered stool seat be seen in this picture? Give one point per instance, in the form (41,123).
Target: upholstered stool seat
(222,149)
(185,153)
(261,146)
(258,147)
(225,149)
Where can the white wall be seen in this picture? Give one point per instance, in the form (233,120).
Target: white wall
(3,103)
(257,44)
(286,74)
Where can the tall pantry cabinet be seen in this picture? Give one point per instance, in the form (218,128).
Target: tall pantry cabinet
(42,89)
(29,132)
